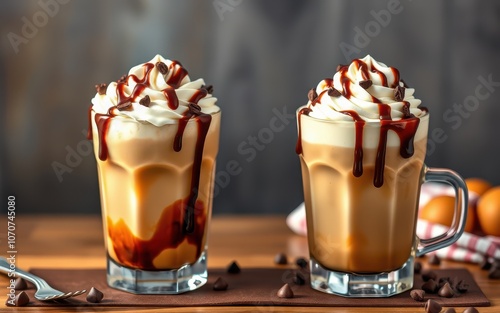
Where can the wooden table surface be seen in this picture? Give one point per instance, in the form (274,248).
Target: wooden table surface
(77,242)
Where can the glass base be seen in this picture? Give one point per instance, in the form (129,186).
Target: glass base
(360,285)
(187,278)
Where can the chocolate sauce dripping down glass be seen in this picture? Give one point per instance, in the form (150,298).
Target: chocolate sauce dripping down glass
(405,128)
(203,121)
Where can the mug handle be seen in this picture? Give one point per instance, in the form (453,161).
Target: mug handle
(460,215)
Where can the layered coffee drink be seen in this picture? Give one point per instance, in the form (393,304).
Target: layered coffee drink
(156,138)
(362,143)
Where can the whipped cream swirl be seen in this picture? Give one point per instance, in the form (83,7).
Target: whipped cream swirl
(369,88)
(158,92)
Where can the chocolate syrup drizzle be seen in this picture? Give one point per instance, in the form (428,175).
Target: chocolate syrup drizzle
(194,111)
(405,128)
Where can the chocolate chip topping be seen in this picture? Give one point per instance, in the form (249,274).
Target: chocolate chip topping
(220,284)
(399,93)
(194,108)
(434,259)
(299,279)
(311,95)
(233,268)
(430,286)
(432,306)
(332,92)
(162,68)
(21,299)
(301,262)
(101,88)
(124,106)
(365,84)
(209,88)
(122,79)
(281,259)
(285,292)
(450,310)
(417,295)
(471,309)
(94,295)
(406,110)
(146,101)
(446,291)
(20,284)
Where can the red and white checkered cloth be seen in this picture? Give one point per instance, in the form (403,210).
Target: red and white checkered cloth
(468,248)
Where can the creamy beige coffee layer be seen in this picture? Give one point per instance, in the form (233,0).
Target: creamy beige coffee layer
(354,226)
(144,186)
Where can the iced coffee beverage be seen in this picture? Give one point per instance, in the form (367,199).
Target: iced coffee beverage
(362,145)
(156,138)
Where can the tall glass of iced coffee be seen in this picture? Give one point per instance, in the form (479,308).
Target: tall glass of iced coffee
(156,138)
(362,144)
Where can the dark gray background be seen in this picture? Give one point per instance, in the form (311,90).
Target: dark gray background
(261,57)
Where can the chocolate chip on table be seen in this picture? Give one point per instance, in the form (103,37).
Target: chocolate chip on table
(301,262)
(365,84)
(399,93)
(430,286)
(485,264)
(101,88)
(428,274)
(494,272)
(233,268)
(220,284)
(21,299)
(146,101)
(434,260)
(446,291)
(281,259)
(462,286)
(417,267)
(299,279)
(431,306)
(94,295)
(471,309)
(20,284)
(450,310)
(311,95)
(417,295)
(285,292)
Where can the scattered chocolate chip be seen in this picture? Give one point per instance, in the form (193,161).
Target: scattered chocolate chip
(339,67)
(21,299)
(146,101)
(404,83)
(450,310)
(301,262)
(399,93)
(462,286)
(430,286)
(220,284)
(311,95)
(365,84)
(162,68)
(124,106)
(233,268)
(122,79)
(209,88)
(332,92)
(285,292)
(431,306)
(417,267)
(281,259)
(471,309)
(101,88)
(446,291)
(417,295)
(94,295)
(485,264)
(494,272)
(20,284)
(194,108)
(433,259)
(299,279)
(428,274)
